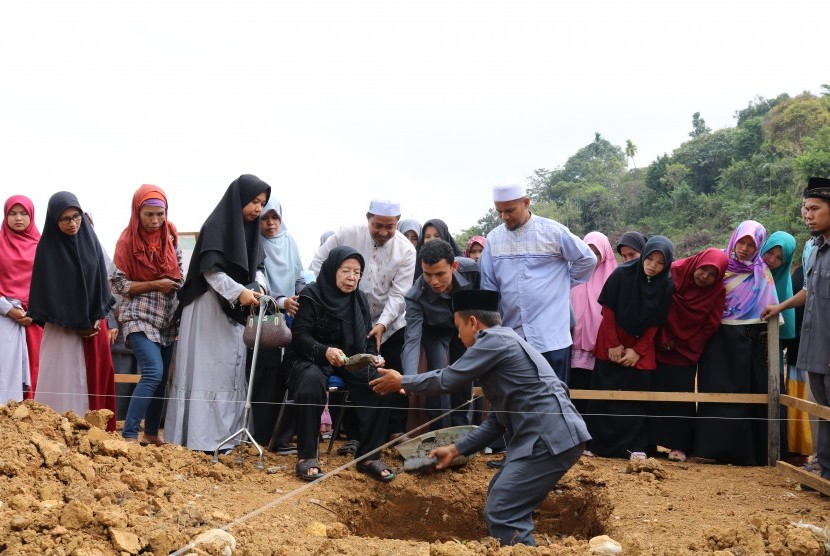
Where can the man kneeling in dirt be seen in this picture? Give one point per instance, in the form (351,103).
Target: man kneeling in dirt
(529,405)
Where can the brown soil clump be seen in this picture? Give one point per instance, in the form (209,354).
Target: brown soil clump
(69,488)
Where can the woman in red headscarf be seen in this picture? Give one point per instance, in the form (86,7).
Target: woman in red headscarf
(148,272)
(694,315)
(19,336)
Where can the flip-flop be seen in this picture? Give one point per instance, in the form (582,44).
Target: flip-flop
(349,447)
(375,469)
(303,467)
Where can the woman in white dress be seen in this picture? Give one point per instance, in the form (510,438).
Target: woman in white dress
(70,294)
(207,396)
(18,242)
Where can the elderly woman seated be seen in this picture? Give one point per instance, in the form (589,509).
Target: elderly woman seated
(331,324)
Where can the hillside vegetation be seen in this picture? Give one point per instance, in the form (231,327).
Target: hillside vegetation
(697,194)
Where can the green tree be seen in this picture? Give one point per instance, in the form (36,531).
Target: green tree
(676,175)
(598,162)
(759,106)
(706,156)
(790,122)
(749,137)
(698,126)
(815,160)
(656,172)
(630,151)
(481,228)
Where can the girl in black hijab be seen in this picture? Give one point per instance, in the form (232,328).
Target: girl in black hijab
(70,295)
(435,229)
(209,388)
(631,245)
(635,302)
(331,324)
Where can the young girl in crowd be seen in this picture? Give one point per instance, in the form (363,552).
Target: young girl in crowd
(147,274)
(19,336)
(283,267)
(70,294)
(735,358)
(411,229)
(435,229)
(209,387)
(475,246)
(777,252)
(694,315)
(631,246)
(588,314)
(635,302)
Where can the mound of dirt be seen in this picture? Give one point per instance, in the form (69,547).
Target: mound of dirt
(67,487)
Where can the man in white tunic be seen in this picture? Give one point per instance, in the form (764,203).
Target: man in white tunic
(533,262)
(388,276)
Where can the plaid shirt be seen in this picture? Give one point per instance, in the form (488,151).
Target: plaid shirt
(151,312)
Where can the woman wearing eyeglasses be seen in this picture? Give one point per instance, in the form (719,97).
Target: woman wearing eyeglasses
(331,324)
(70,296)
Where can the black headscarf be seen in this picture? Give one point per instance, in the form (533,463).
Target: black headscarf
(444,233)
(227,244)
(635,240)
(69,279)
(352,309)
(640,302)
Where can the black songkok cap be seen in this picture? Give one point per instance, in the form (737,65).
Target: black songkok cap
(476,300)
(818,188)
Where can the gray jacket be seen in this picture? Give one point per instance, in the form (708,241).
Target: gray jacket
(528,401)
(430,311)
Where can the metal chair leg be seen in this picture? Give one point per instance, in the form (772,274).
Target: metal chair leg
(335,432)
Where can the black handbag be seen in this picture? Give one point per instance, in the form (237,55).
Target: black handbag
(274,332)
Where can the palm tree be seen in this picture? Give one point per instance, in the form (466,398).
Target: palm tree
(630,151)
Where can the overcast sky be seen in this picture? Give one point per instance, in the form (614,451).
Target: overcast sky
(332,103)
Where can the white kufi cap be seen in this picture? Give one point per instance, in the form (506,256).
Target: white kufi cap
(384,207)
(508,192)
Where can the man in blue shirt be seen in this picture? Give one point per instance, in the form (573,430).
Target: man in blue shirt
(533,262)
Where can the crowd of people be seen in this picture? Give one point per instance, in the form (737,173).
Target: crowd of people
(390,288)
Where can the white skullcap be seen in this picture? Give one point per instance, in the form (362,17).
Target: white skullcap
(508,192)
(384,207)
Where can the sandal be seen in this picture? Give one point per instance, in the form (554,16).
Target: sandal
(349,448)
(284,449)
(304,466)
(375,469)
(677,455)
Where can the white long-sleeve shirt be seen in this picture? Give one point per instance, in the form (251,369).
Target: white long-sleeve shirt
(388,275)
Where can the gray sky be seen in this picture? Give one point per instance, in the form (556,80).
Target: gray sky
(332,103)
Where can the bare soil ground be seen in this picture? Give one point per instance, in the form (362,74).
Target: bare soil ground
(69,488)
